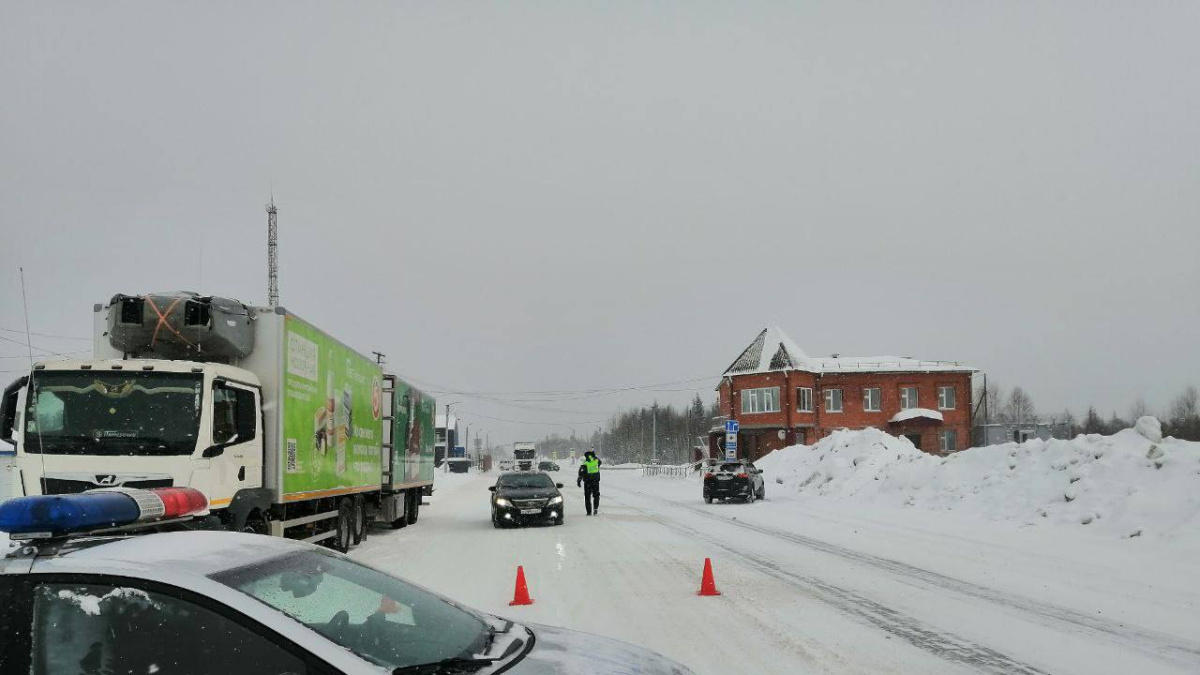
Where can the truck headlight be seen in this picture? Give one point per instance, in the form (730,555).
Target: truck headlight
(556,500)
(501,501)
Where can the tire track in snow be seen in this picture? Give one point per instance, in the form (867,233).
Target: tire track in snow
(1158,645)
(922,636)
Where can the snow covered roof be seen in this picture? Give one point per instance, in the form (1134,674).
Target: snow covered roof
(774,351)
(771,350)
(913,413)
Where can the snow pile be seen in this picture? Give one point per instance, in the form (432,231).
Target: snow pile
(1126,484)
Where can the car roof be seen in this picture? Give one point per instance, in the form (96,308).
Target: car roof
(197,552)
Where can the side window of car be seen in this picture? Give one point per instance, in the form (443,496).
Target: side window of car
(94,629)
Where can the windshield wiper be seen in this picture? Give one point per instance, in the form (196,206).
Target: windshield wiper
(456,664)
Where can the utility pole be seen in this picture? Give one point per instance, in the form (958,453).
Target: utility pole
(654,432)
(272,254)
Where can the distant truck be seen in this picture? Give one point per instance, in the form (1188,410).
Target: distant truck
(524,454)
(286,430)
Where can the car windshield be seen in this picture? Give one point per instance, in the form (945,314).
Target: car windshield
(531,480)
(113,413)
(385,620)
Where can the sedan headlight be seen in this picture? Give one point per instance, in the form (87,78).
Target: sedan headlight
(501,501)
(556,500)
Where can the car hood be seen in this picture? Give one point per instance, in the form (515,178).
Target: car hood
(565,652)
(527,493)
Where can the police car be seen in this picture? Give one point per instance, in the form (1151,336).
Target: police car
(82,595)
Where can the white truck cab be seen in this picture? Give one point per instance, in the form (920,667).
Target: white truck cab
(82,425)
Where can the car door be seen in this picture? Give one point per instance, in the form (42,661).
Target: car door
(95,625)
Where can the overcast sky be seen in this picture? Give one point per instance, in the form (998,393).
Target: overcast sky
(577,196)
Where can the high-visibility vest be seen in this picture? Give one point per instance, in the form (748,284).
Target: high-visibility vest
(593,465)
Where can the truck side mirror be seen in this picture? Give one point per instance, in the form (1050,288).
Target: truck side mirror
(213,451)
(8,409)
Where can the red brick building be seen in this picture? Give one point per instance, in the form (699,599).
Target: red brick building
(780,396)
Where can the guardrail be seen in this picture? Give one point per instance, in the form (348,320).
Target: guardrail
(672,470)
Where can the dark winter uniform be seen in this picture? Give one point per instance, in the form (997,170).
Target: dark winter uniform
(589,478)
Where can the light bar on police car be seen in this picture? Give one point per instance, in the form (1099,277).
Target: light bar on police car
(51,515)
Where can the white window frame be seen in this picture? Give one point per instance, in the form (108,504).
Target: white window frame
(943,445)
(942,389)
(756,401)
(867,399)
(905,404)
(827,394)
(804,394)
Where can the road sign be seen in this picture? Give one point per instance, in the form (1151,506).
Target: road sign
(732,426)
(731,445)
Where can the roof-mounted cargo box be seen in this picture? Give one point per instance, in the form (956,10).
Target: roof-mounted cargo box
(181,325)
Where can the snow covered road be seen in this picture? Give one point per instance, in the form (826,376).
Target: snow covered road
(810,587)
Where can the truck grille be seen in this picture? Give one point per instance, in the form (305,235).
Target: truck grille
(63,486)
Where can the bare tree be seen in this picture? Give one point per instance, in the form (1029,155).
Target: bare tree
(1020,408)
(1185,415)
(991,400)
(1186,405)
(1138,409)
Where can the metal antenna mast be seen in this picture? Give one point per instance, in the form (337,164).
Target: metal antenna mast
(272,254)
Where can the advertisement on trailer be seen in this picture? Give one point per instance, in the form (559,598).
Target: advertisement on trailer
(332,425)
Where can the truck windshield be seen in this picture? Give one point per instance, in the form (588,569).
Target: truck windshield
(381,618)
(113,413)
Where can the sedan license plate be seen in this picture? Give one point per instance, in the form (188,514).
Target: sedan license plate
(527,512)
(724,477)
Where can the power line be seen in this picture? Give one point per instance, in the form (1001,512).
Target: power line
(49,335)
(536,423)
(582,393)
(40,349)
(23,356)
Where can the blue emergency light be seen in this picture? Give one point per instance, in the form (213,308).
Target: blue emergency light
(56,515)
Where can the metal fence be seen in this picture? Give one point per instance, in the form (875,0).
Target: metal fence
(672,470)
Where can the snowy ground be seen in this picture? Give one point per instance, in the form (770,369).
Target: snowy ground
(815,585)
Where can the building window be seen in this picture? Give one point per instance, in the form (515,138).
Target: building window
(945,398)
(833,400)
(908,397)
(949,440)
(765,400)
(804,399)
(872,397)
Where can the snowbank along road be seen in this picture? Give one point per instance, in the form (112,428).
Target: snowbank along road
(810,586)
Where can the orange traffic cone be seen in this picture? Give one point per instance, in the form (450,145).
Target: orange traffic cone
(521,594)
(707,585)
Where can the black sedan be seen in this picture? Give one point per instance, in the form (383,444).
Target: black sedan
(734,480)
(524,497)
(547,466)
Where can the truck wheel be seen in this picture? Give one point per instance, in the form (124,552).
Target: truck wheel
(414,504)
(343,539)
(256,523)
(708,500)
(359,521)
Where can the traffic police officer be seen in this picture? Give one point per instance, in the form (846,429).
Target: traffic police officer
(589,478)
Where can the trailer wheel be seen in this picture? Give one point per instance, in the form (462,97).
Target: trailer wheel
(359,520)
(414,510)
(343,539)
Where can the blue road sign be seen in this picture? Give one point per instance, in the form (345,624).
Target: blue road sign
(731,426)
